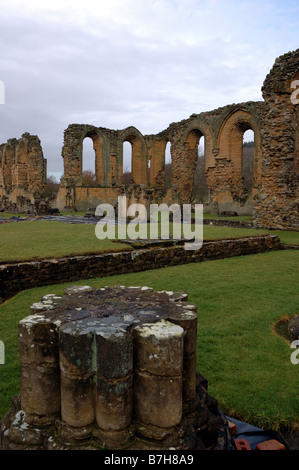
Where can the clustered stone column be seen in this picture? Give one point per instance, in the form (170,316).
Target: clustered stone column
(110,368)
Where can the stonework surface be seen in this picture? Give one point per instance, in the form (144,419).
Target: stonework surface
(15,277)
(112,368)
(273,198)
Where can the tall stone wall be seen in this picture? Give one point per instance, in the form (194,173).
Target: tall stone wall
(23,173)
(272,199)
(222,130)
(277,204)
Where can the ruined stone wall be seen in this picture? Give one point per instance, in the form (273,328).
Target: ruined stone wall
(23,173)
(222,130)
(273,198)
(277,204)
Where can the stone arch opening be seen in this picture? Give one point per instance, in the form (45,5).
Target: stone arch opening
(88,163)
(248,159)
(201,192)
(88,155)
(167,166)
(139,160)
(243,164)
(196,147)
(92,166)
(236,187)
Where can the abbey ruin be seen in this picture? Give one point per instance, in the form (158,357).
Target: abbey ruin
(273,199)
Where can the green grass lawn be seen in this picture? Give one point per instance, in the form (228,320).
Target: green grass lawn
(22,241)
(239,301)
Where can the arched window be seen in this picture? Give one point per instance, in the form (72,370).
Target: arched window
(242,154)
(167,168)
(88,162)
(135,157)
(248,159)
(127,162)
(201,191)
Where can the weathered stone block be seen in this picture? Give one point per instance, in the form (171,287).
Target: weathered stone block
(158,400)
(114,403)
(159,348)
(77,400)
(40,389)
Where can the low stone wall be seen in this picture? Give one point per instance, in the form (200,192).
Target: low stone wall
(17,277)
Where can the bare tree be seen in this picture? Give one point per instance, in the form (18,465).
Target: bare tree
(52,187)
(127,176)
(88,178)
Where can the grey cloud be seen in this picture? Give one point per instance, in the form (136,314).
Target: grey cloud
(120,72)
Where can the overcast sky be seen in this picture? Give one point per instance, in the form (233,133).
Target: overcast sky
(145,63)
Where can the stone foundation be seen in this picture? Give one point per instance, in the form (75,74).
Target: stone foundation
(23,175)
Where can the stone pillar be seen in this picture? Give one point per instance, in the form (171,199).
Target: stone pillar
(185,315)
(158,377)
(109,368)
(187,319)
(114,382)
(76,341)
(39,366)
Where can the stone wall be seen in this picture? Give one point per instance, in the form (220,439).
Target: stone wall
(222,130)
(20,276)
(273,199)
(277,204)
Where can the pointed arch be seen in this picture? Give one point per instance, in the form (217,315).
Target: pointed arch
(230,143)
(92,155)
(139,157)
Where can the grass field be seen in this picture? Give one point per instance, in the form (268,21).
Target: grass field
(239,302)
(32,240)
(40,239)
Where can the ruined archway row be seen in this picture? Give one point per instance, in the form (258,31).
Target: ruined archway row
(273,196)
(222,130)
